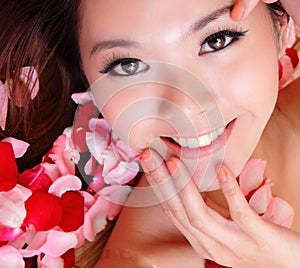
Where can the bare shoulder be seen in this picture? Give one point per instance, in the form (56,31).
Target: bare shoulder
(144,237)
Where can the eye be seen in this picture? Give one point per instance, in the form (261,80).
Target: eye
(125,67)
(220,40)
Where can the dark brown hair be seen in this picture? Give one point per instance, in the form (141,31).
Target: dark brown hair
(40,34)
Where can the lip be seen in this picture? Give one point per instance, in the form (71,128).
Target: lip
(200,152)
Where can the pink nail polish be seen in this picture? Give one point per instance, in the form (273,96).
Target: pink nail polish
(222,174)
(171,166)
(145,155)
(238,11)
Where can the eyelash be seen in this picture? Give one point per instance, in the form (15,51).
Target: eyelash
(234,34)
(114,60)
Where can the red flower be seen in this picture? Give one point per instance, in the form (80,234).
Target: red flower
(73,211)
(44,211)
(8,167)
(35,179)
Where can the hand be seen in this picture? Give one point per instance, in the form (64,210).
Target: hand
(242,8)
(244,241)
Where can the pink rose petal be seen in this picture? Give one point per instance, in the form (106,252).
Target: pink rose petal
(123,173)
(251,176)
(3,105)
(12,208)
(58,243)
(20,147)
(64,184)
(50,262)
(30,77)
(261,198)
(279,212)
(98,139)
(61,157)
(10,258)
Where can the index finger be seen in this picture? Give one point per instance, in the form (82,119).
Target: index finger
(243,8)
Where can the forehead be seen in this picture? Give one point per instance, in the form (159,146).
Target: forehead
(148,15)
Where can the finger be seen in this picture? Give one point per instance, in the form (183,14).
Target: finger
(159,178)
(224,212)
(243,8)
(200,216)
(208,226)
(240,211)
(158,175)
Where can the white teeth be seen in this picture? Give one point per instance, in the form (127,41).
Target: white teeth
(200,141)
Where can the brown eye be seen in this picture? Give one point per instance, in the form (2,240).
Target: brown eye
(128,67)
(217,43)
(219,40)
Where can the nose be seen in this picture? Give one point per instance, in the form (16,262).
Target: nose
(166,93)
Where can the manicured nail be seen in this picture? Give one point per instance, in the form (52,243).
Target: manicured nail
(238,11)
(222,174)
(172,167)
(145,155)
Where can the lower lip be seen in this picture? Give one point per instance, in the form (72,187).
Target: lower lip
(200,152)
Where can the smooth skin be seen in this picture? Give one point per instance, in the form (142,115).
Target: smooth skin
(187,228)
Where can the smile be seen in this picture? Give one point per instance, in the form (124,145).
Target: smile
(201,146)
(201,141)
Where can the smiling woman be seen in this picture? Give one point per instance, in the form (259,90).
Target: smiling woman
(186,89)
(236,64)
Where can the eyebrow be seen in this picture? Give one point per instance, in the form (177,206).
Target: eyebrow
(108,44)
(203,22)
(195,27)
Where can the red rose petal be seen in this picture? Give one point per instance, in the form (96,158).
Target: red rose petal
(44,211)
(212,264)
(73,211)
(280,70)
(69,258)
(293,54)
(8,167)
(35,179)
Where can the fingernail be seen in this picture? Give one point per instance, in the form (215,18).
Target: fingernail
(145,155)
(150,161)
(172,167)
(238,11)
(222,174)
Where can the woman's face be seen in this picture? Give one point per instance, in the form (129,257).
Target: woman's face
(237,61)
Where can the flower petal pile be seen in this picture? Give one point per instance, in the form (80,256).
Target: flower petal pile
(45,211)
